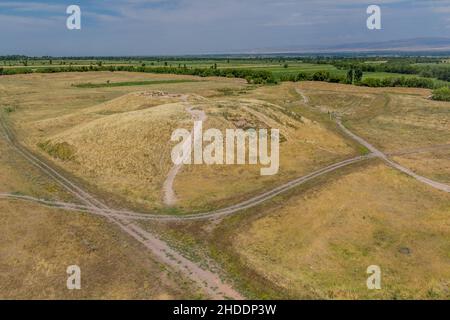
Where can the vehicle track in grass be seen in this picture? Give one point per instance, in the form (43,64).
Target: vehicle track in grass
(391,163)
(379,154)
(254,201)
(169,196)
(125,220)
(210,282)
(216,214)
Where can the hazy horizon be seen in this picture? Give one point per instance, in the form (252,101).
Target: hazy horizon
(182,27)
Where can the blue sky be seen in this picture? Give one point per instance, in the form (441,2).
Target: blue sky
(151,27)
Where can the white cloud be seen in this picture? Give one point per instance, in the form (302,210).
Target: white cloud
(32,6)
(190,26)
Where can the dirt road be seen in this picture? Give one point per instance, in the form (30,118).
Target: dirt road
(211,283)
(221,213)
(254,201)
(169,196)
(384,157)
(420,150)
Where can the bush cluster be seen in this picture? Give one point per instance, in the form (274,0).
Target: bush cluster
(412,82)
(441,94)
(252,76)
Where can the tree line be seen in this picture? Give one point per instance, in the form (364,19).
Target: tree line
(438,71)
(252,76)
(354,75)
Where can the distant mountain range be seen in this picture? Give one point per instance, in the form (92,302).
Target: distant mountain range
(405,45)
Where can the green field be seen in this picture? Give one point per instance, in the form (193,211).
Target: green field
(281,68)
(127,83)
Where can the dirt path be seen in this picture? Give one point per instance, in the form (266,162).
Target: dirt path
(124,219)
(420,150)
(221,213)
(169,196)
(384,157)
(47,203)
(381,155)
(305,98)
(208,281)
(254,201)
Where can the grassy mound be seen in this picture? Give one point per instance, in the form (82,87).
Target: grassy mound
(123,146)
(304,146)
(127,154)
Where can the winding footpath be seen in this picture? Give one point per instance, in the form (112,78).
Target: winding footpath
(208,281)
(384,157)
(377,153)
(216,214)
(252,202)
(169,197)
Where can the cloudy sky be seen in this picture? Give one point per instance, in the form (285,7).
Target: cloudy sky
(150,27)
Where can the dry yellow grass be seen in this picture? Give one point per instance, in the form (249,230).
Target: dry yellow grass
(46,106)
(391,118)
(315,244)
(38,244)
(434,164)
(320,243)
(37,97)
(20,177)
(127,154)
(126,103)
(121,143)
(305,146)
(407,122)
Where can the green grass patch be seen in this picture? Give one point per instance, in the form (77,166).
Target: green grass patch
(62,151)
(363,150)
(128,83)
(441,94)
(10,109)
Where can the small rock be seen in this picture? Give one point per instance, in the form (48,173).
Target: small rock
(405,250)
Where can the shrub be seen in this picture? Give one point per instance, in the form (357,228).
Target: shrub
(62,151)
(335,78)
(321,76)
(301,76)
(411,82)
(441,94)
(371,82)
